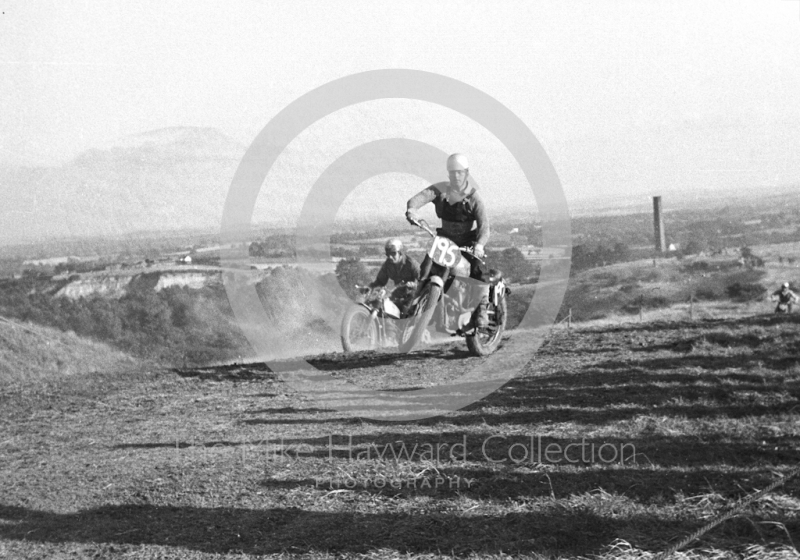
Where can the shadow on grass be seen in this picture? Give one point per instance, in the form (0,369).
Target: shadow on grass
(371,359)
(551,530)
(706,369)
(613,391)
(530,450)
(645,449)
(272,531)
(643,486)
(229,372)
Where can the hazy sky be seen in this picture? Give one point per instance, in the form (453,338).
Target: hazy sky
(625,96)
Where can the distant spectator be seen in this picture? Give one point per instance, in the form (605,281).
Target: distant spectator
(785,298)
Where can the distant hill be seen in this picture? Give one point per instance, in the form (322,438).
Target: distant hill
(166,179)
(177,178)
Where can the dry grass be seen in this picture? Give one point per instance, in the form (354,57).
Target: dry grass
(227,462)
(34,353)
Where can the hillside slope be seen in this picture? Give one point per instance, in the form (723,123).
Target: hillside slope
(31,352)
(625,288)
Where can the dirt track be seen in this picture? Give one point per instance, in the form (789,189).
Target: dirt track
(226,460)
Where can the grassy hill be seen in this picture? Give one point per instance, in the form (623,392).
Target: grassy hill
(31,352)
(710,282)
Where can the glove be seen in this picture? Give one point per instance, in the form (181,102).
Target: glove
(478,251)
(411,216)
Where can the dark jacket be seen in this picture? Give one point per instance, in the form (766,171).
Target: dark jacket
(407,270)
(458,213)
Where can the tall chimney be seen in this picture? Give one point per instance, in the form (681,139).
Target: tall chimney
(658,226)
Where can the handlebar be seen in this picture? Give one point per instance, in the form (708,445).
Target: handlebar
(422,224)
(366,290)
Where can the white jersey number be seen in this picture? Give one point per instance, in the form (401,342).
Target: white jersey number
(444,252)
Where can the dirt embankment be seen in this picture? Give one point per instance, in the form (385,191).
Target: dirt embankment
(113,285)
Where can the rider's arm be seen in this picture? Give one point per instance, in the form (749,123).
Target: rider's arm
(481,220)
(419,200)
(383,276)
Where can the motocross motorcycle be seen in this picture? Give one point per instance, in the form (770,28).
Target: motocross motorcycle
(441,298)
(783,308)
(369,324)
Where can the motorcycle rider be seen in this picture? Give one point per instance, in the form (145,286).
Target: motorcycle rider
(464,220)
(401,269)
(785,297)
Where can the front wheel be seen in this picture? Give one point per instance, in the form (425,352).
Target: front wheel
(359,330)
(421,314)
(485,341)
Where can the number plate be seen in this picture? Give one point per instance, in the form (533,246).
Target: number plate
(444,252)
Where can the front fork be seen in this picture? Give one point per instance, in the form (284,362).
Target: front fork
(381,327)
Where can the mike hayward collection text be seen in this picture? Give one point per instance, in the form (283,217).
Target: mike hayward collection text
(495,449)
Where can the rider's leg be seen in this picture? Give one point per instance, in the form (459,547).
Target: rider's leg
(425,269)
(481,316)
(424,272)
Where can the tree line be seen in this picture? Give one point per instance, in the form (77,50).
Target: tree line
(175,325)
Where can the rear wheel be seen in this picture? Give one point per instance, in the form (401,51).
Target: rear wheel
(485,341)
(359,330)
(417,323)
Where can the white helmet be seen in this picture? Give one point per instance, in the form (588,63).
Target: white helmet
(457,162)
(393,245)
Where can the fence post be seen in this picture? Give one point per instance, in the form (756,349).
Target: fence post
(569,320)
